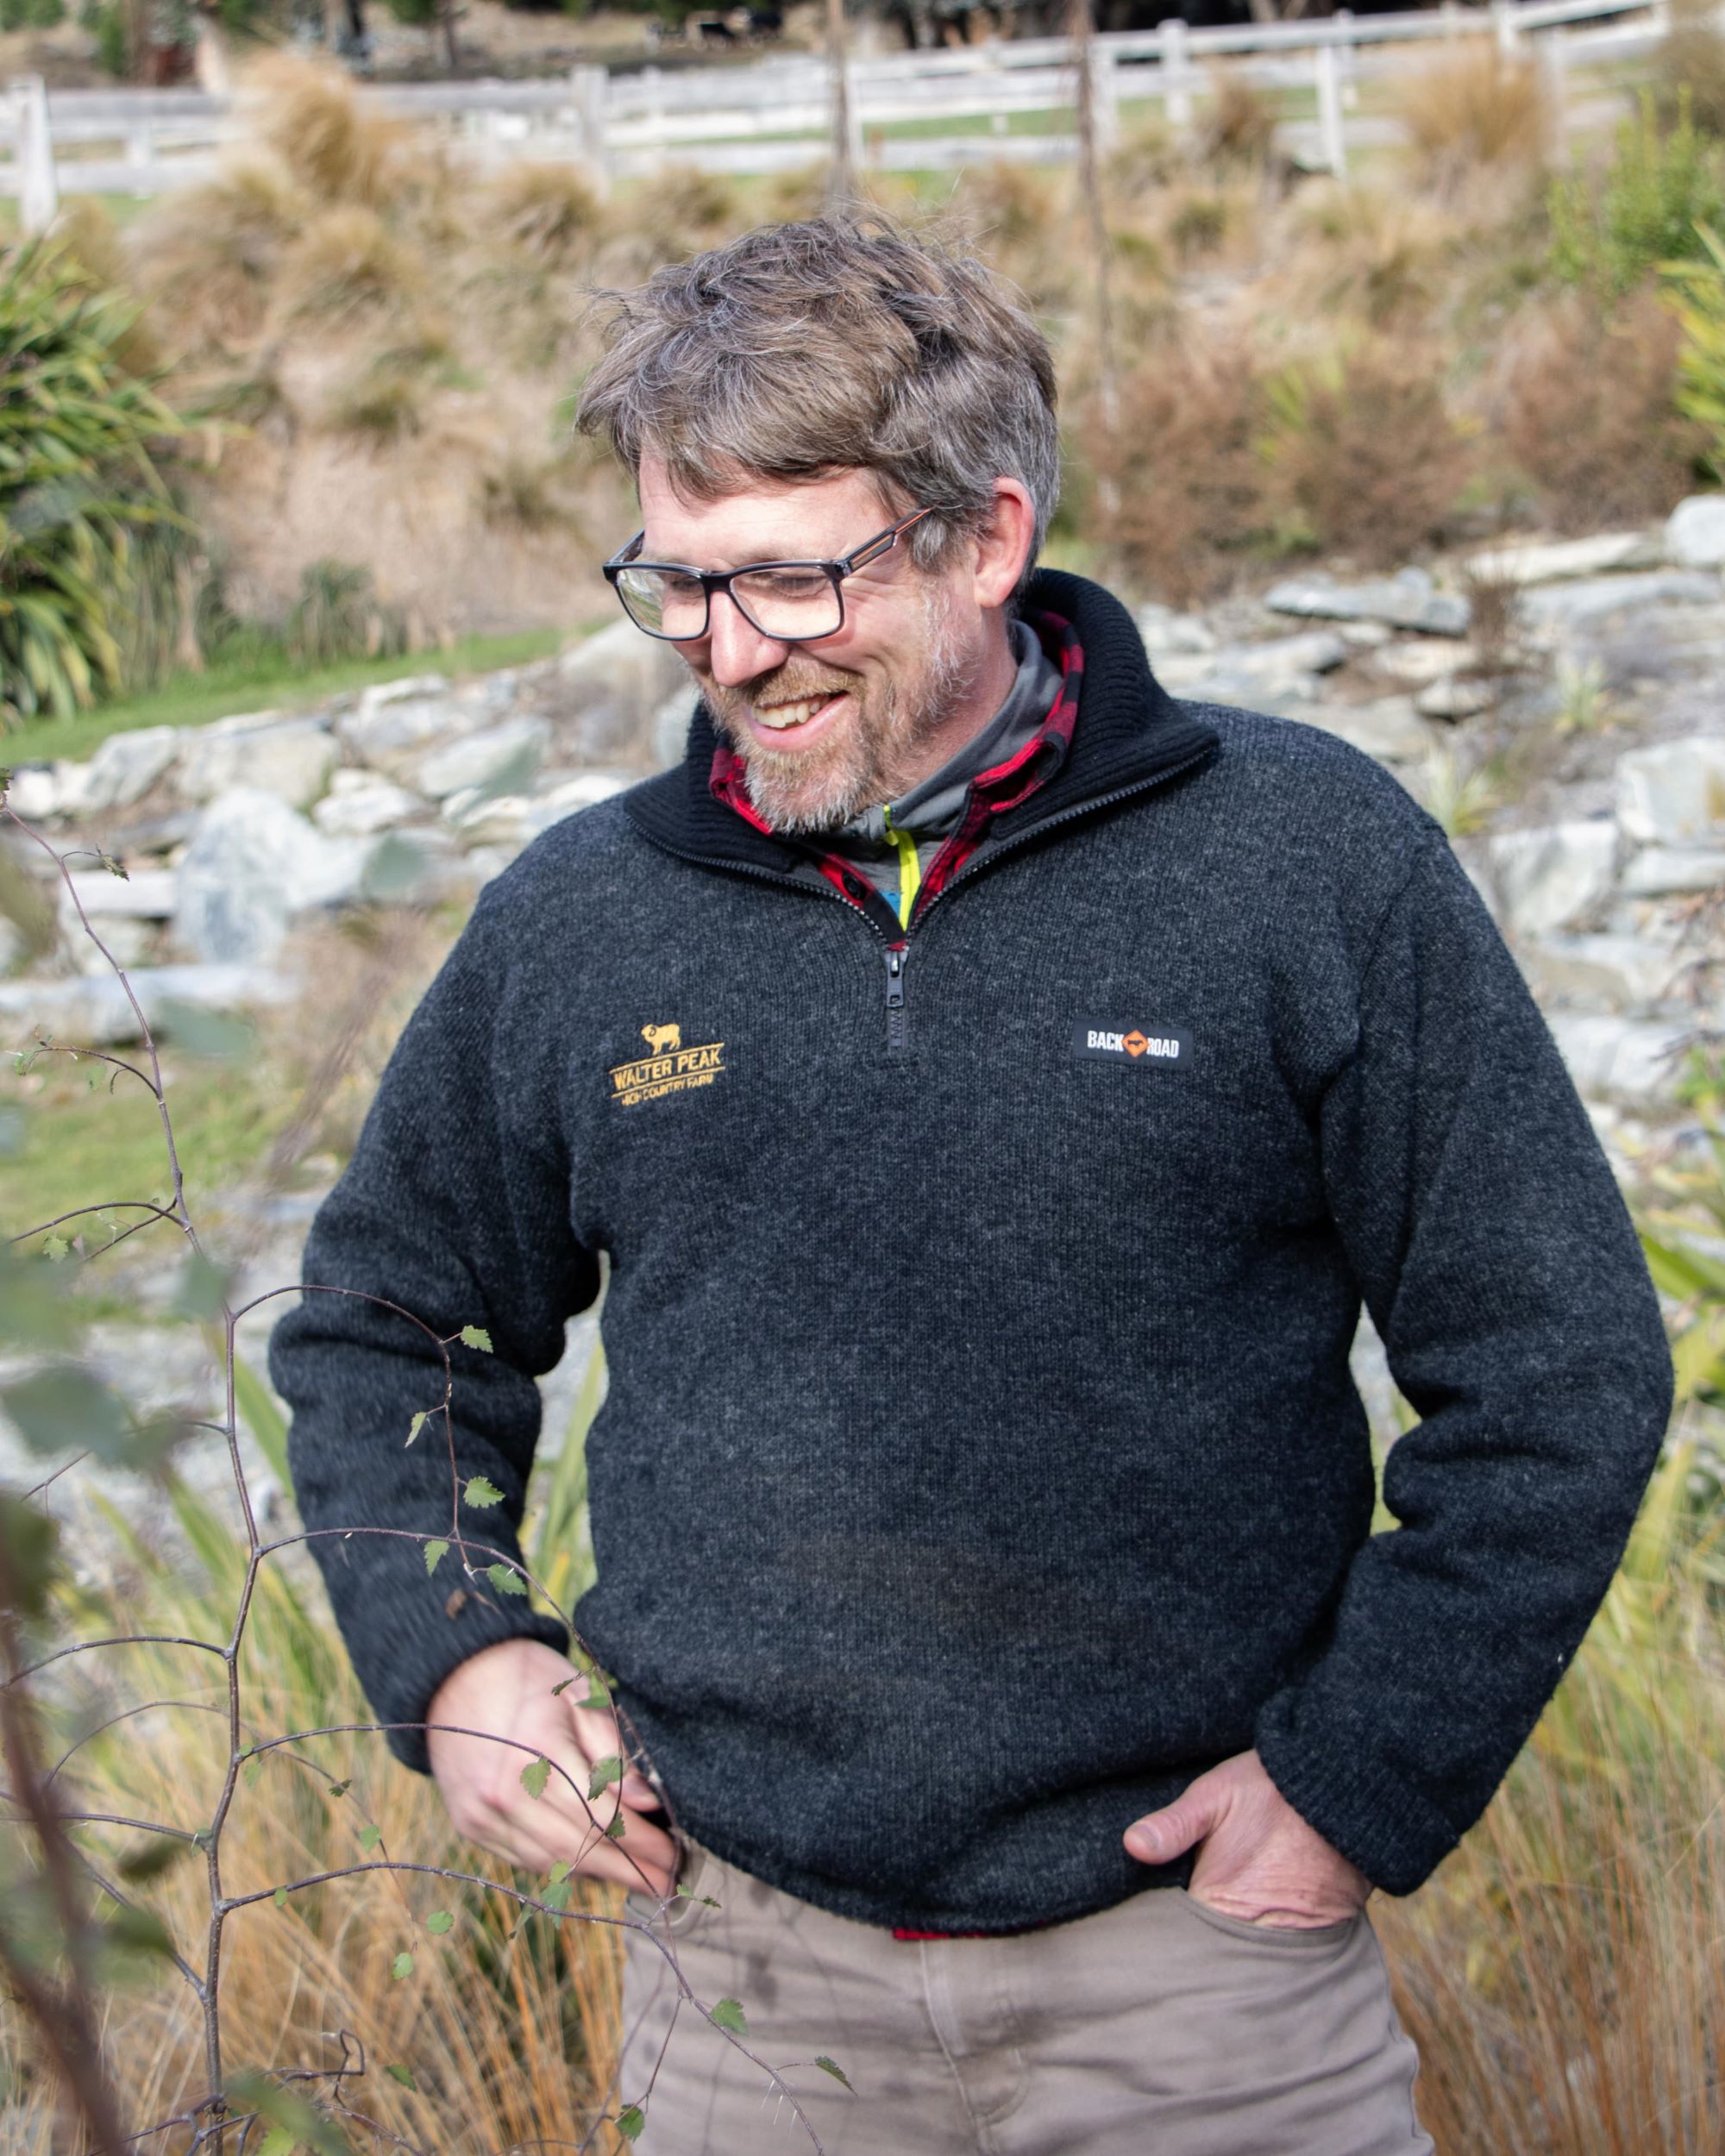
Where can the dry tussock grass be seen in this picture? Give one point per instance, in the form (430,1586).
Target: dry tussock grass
(1478,108)
(208,259)
(546,215)
(1582,407)
(347,263)
(1367,457)
(336,148)
(1381,255)
(1236,123)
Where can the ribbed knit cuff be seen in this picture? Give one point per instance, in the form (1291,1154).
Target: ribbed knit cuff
(1373,1817)
(447,1650)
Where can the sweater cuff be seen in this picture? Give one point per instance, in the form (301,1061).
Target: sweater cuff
(1372,1816)
(460,1638)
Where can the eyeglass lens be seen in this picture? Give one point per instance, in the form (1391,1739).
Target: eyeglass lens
(789,603)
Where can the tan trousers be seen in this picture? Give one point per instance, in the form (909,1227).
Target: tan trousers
(1158,2028)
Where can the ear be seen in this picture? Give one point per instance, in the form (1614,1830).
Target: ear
(1003,544)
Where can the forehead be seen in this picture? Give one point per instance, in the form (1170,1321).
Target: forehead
(769,519)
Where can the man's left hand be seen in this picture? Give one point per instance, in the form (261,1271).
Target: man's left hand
(1258,1858)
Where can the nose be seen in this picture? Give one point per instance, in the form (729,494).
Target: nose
(737,652)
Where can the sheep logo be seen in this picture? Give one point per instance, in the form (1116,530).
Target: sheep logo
(662,1039)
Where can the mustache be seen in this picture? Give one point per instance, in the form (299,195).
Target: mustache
(783,685)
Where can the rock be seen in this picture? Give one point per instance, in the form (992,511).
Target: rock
(1164,631)
(1419,660)
(1633,1059)
(34,792)
(411,868)
(94,1011)
(1658,872)
(1245,673)
(362,803)
(1549,877)
(1387,729)
(585,790)
(254,864)
(1408,599)
(613,685)
(477,812)
(667,730)
(394,720)
(1626,972)
(1452,699)
(291,758)
(124,941)
(1695,533)
(146,895)
(127,766)
(408,688)
(1551,561)
(1673,791)
(1559,607)
(499,759)
(1364,636)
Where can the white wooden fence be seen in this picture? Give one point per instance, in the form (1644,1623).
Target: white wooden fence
(776,114)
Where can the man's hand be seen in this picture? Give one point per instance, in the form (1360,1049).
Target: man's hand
(505,1690)
(1259,1859)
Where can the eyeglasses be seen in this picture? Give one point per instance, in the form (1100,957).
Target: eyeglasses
(788,601)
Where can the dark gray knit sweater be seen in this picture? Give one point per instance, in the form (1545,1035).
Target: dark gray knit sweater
(981,1460)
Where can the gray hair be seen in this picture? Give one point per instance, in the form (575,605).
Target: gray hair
(800,350)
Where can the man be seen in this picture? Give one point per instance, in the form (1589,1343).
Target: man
(995,1084)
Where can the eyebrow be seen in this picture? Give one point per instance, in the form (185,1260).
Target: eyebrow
(765,554)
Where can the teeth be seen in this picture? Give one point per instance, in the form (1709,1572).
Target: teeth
(779,715)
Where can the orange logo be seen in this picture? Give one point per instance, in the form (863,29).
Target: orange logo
(1134,1043)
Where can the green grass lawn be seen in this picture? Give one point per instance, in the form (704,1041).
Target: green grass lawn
(258,680)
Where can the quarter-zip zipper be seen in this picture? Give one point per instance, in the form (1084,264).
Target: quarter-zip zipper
(897,955)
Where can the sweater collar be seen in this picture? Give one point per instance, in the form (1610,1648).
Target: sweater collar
(1128,730)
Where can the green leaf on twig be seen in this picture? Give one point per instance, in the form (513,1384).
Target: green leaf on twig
(604,1772)
(280,2141)
(475,1336)
(338,1789)
(403,2076)
(55,1248)
(481,1493)
(252,1768)
(558,1887)
(630,2122)
(728,2013)
(280,1898)
(618,1827)
(837,2072)
(369,1838)
(417,1424)
(534,1776)
(505,1579)
(434,1550)
(401,1966)
(438,1922)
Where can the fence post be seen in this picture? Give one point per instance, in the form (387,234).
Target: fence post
(1551,57)
(1330,137)
(1105,98)
(1176,92)
(140,152)
(38,189)
(1503,19)
(587,93)
(1347,58)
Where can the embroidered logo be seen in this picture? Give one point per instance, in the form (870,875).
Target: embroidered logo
(670,1067)
(1156,1047)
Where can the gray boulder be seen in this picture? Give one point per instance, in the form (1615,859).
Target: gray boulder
(254,865)
(1694,532)
(127,766)
(1409,600)
(291,758)
(95,1012)
(1674,791)
(1386,728)
(1660,872)
(1552,876)
(1553,560)
(1625,1059)
(362,803)
(1557,608)
(497,759)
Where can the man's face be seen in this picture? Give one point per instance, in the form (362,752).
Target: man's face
(825,728)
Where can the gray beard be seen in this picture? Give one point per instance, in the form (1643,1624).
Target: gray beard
(873,762)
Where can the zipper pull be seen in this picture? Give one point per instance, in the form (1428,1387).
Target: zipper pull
(897,1023)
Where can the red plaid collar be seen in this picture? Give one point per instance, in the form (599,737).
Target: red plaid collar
(1002,786)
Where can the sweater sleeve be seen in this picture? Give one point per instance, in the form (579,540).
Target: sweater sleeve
(1500,1268)
(454,1206)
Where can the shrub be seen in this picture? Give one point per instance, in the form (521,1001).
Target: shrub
(78,482)
(208,257)
(1371,253)
(1236,123)
(1701,359)
(1659,184)
(1585,404)
(345,263)
(547,214)
(1689,65)
(1366,455)
(1479,107)
(336,149)
(338,616)
(1190,485)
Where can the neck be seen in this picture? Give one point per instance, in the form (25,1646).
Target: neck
(970,712)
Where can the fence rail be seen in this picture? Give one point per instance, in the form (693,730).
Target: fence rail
(776,114)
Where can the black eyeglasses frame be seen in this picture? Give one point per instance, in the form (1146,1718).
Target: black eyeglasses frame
(712,581)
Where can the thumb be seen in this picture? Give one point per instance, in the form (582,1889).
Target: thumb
(1159,1837)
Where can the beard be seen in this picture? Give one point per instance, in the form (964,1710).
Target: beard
(873,756)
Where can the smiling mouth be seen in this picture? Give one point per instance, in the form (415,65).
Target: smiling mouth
(784,718)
